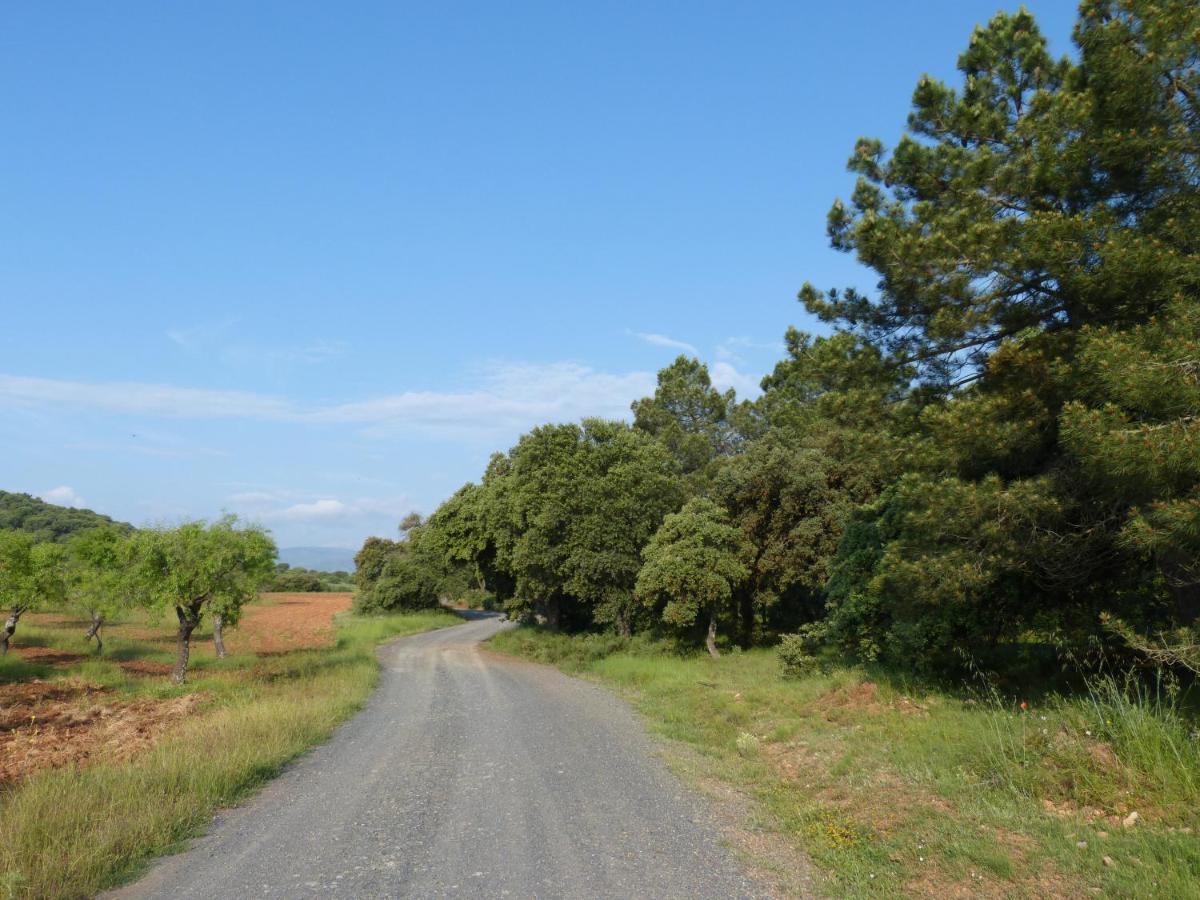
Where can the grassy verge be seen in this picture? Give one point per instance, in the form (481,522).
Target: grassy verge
(72,832)
(895,788)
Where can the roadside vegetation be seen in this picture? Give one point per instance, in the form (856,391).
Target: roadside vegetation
(891,785)
(980,488)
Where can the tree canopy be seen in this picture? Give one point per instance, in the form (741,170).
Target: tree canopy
(48,522)
(997,443)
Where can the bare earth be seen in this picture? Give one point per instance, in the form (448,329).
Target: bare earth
(47,724)
(467,775)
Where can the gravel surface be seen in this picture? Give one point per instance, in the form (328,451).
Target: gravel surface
(467,775)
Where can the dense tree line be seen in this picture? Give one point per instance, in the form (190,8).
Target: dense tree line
(48,522)
(297,579)
(1001,439)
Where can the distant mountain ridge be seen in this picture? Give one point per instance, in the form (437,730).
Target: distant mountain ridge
(48,522)
(319,559)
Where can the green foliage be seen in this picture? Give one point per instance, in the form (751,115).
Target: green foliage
(297,579)
(196,567)
(403,575)
(557,527)
(198,564)
(31,574)
(693,565)
(997,445)
(31,577)
(690,417)
(791,508)
(406,583)
(48,522)
(1050,473)
(795,656)
(97,572)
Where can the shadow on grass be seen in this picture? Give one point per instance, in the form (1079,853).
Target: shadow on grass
(13,668)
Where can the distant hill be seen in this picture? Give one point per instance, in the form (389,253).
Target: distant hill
(47,522)
(319,559)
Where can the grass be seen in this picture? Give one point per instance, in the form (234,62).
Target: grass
(891,787)
(72,832)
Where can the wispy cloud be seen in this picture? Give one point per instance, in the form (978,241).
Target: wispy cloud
(662,340)
(219,340)
(195,338)
(140,398)
(508,396)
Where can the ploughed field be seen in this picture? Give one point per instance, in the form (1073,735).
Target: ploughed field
(61,704)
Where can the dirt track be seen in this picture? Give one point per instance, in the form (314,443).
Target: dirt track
(468,775)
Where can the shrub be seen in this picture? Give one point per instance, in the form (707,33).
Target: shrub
(794,656)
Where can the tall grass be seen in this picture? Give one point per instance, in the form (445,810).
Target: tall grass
(1125,737)
(72,832)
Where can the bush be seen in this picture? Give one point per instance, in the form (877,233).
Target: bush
(294,582)
(405,584)
(794,656)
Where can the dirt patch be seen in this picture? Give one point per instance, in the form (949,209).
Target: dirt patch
(51,724)
(145,667)
(48,656)
(864,697)
(287,622)
(279,624)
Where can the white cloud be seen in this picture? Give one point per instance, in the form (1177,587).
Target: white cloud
(63,496)
(318,509)
(662,340)
(725,376)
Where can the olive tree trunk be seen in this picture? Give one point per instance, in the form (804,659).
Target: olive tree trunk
(189,618)
(94,631)
(710,640)
(9,627)
(218,635)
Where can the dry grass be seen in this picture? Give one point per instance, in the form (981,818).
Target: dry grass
(74,829)
(889,788)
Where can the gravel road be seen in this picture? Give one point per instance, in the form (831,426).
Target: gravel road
(467,775)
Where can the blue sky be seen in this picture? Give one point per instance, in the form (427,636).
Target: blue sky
(313,262)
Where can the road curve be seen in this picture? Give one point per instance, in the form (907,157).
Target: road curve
(466,775)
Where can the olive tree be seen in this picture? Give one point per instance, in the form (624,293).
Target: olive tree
(31,576)
(199,566)
(96,568)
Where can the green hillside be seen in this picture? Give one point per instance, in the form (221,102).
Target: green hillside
(46,521)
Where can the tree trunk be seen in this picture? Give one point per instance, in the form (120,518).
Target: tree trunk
(746,602)
(710,641)
(9,627)
(624,628)
(553,614)
(218,637)
(188,619)
(94,631)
